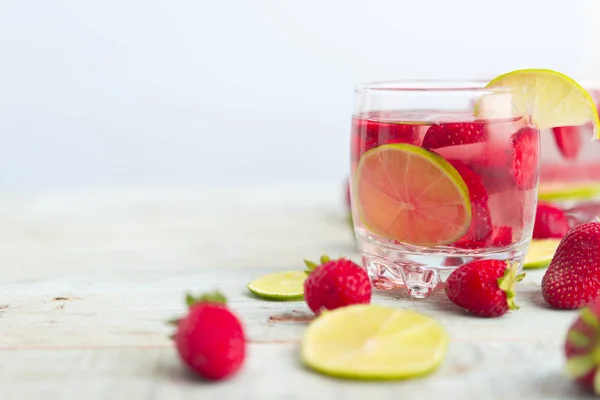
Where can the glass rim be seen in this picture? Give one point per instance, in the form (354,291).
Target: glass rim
(425,85)
(444,85)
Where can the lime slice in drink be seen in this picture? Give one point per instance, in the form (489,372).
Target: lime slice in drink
(406,193)
(540,253)
(373,342)
(282,286)
(568,191)
(544,97)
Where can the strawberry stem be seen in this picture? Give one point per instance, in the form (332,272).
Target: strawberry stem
(312,265)
(579,366)
(590,319)
(190,300)
(213,297)
(507,283)
(578,339)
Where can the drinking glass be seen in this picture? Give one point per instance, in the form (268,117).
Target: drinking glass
(570,168)
(441,174)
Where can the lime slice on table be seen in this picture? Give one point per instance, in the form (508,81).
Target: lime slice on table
(373,342)
(406,193)
(568,191)
(540,253)
(283,286)
(546,98)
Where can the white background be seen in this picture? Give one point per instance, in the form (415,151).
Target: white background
(226,92)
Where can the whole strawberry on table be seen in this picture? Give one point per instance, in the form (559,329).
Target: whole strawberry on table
(210,339)
(582,348)
(335,283)
(485,288)
(572,279)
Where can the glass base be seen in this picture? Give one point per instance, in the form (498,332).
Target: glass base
(421,270)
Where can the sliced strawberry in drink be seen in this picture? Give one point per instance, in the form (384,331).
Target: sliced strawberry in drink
(495,155)
(502,236)
(470,244)
(371,134)
(454,134)
(492,166)
(568,140)
(481,221)
(477,191)
(480,229)
(495,180)
(399,133)
(525,153)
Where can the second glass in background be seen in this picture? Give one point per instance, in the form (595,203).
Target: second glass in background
(570,168)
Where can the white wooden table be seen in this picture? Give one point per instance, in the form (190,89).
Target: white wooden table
(88,280)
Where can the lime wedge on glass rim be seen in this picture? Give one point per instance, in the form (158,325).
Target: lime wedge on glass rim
(373,342)
(282,286)
(540,253)
(544,97)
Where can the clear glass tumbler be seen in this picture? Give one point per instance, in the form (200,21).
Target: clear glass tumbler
(442,174)
(570,168)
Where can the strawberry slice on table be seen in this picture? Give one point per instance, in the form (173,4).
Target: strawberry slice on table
(572,279)
(525,155)
(568,140)
(481,221)
(454,134)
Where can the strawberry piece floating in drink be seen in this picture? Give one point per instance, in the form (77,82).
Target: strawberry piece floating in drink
(568,140)
(454,134)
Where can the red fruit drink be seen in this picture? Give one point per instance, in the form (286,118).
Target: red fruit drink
(496,159)
(570,169)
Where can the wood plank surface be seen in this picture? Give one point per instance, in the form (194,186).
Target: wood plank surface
(89,280)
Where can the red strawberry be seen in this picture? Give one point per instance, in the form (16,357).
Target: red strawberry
(210,339)
(572,279)
(371,134)
(479,230)
(335,284)
(568,141)
(477,191)
(581,346)
(502,236)
(550,222)
(481,220)
(453,134)
(525,154)
(469,243)
(485,287)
